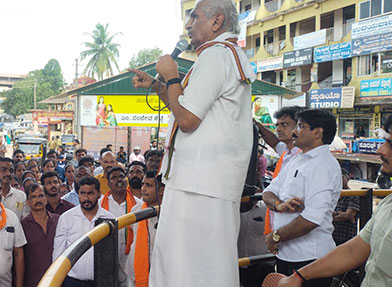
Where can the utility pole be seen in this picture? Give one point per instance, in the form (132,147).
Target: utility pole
(76,72)
(35,94)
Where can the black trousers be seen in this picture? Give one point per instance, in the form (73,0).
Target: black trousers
(287,268)
(254,275)
(73,282)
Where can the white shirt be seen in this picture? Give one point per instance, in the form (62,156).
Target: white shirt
(151,237)
(8,241)
(16,201)
(134,157)
(221,144)
(71,226)
(281,147)
(316,178)
(118,210)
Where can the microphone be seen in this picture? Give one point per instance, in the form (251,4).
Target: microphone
(180,47)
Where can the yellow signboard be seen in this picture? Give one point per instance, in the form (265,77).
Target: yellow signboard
(117,110)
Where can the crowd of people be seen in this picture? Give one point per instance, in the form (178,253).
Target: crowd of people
(200,232)
(46,207)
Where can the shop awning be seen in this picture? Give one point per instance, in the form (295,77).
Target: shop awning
(122,85)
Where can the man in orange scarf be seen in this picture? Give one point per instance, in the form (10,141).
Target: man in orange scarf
(139,261)
(282,143)
(119,201)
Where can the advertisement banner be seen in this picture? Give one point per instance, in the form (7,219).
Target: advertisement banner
(369,145)
(243,20)
(310,40)
(332,98)
(297,58)
(372,44)
(117,110)
(371,27)
(376,88)
(332,52)
(270,64)
(46,115)
(263,108)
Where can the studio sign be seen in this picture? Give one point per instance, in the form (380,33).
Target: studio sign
(325,98)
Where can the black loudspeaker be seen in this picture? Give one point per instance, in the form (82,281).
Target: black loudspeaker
(250,183)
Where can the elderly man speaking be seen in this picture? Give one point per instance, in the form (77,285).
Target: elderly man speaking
(207,154)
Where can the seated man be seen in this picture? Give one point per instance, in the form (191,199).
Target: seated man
(138,264)
(345,217)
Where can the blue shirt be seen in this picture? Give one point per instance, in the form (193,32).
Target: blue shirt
(72,197)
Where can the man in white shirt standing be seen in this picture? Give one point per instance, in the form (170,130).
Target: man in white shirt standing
(13,199)
(73,224)
(283,142)
(136,155)
(119,201)
(211,109)
(304,196)
(12,239)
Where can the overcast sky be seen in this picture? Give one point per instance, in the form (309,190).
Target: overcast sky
(33,32)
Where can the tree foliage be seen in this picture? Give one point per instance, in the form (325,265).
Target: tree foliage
(20,99)
(102,53)
(144,57)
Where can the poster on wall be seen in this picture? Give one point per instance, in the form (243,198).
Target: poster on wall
(263,108)
(118,110)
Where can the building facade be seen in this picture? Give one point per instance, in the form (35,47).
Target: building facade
(337,52)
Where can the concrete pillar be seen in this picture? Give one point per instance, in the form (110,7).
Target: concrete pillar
(338,25)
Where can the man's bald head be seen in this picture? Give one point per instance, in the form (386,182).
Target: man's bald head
(108,161)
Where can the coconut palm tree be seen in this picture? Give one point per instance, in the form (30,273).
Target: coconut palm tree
(102,53)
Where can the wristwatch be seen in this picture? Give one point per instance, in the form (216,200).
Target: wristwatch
(275,236)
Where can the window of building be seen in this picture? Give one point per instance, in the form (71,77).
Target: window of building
(376,7)
(380,63)
(257,43)
(347,71)
(293,27)
(386,62)
(269,76)
(387,6)
(364,10)
(292,79)
(373,8)
(367,64)
(282,33)
(269,36)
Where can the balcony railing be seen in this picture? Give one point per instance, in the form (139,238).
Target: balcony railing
(334,33)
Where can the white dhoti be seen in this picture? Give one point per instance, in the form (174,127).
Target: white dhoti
(196,242)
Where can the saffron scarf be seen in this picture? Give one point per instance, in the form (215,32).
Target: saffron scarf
(130,202)
(267,222)
(3,219)
(142,264)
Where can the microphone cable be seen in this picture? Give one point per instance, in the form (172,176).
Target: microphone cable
(157,139)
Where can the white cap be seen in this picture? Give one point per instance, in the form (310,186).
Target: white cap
(137,147)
